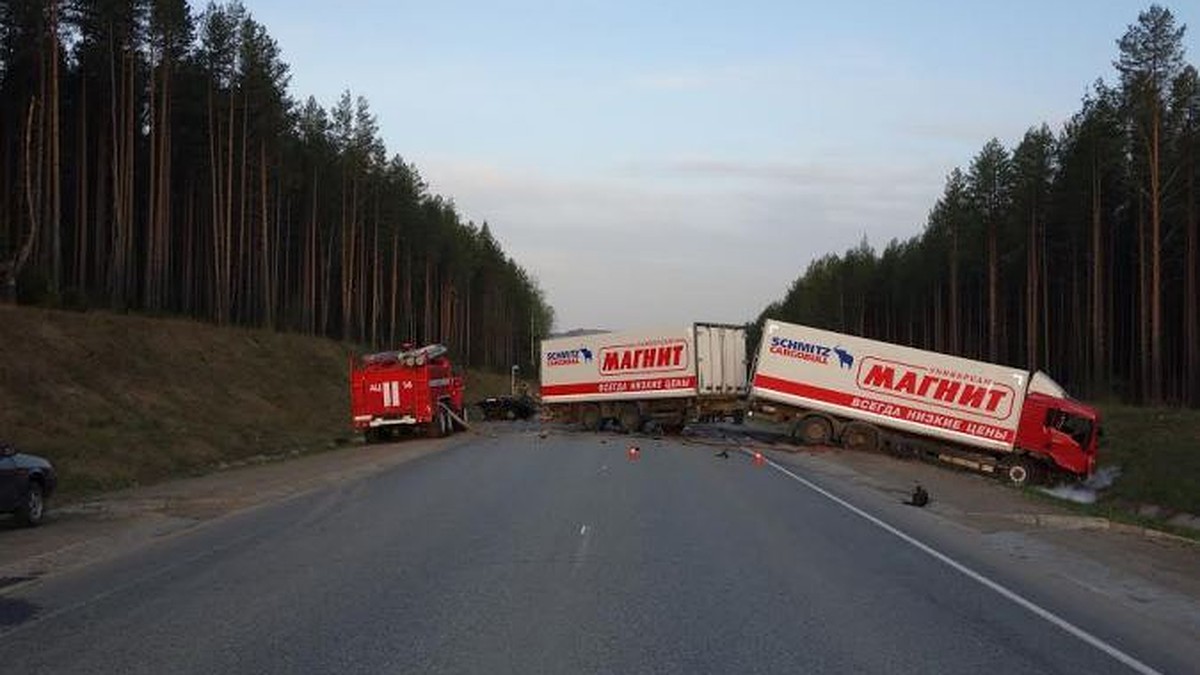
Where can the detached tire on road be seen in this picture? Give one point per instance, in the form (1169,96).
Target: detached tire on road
(33,505)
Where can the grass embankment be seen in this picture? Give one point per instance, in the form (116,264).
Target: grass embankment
(118,400)
(1158,450)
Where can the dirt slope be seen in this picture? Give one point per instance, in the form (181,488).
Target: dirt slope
(117,400)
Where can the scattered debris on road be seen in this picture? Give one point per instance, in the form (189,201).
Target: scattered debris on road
(920,498)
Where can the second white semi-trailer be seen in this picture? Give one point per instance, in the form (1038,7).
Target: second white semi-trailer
(669,376)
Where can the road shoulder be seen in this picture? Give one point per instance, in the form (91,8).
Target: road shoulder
(110,525)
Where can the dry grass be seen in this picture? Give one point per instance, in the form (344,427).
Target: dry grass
(118,400)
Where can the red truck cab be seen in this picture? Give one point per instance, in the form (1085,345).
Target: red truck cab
(1058,428)
(413,389)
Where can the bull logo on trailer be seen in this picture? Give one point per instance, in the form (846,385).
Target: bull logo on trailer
(569,357)
(845,359)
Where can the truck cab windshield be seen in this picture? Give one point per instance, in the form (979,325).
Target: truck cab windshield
(1077,427)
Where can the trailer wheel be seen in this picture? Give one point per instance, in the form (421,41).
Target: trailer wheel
(590,417)
(813,430)
(1021,471)
(630,419)
(860,437)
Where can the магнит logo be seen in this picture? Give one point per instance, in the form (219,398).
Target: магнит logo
(658,356)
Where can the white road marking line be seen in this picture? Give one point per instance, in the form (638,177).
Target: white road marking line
(582,530)
(1015,597)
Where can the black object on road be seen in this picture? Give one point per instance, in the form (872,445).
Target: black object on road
(508,407)
(919,497)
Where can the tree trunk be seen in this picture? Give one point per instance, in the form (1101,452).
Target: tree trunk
(55,196)
(1191,299)
(1031,293)
(954,326)
(32,197)
(268,316)
(1143,308)
(81,191)
(1099,360)
(1156,356)
(993,320)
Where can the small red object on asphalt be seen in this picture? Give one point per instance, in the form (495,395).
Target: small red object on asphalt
(759,460)
(633,453)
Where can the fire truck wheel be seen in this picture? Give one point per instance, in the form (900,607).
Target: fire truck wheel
(814,430)
(435,427)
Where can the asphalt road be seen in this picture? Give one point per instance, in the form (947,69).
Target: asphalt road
(522,554)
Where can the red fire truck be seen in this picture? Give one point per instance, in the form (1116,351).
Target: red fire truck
(411,389)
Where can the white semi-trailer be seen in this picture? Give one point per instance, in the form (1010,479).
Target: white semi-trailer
(832,387)
(670,376)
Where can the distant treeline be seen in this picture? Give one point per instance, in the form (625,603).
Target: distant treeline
(1074,252)
(151,159)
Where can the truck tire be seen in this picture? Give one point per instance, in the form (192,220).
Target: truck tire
(436,427)
(589,416)
(33,505)
(1021,471)
(860,437)
(813,430)
(630,419)
(671,427)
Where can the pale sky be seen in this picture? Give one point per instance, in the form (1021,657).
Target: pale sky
(668,162)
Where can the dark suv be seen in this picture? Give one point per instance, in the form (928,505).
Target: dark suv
(26,481)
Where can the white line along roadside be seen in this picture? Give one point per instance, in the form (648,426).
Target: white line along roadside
(1042,612)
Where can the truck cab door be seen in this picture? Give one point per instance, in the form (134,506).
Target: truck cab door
(1066,451)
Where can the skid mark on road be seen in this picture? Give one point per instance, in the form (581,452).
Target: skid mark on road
(1004,591)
